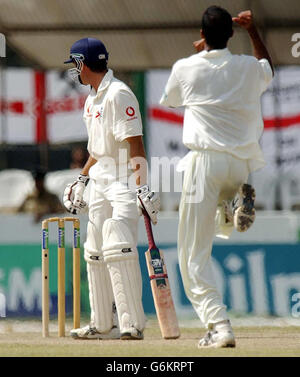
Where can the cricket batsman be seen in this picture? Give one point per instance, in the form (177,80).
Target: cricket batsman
(222,126)
(115,146)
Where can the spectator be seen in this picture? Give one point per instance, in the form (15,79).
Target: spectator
(40,202)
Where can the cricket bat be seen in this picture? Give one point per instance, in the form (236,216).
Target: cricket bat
(161,291)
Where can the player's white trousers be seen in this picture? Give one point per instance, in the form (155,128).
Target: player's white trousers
(108,200)
(209,178)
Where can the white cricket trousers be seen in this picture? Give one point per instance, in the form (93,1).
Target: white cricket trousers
(210,177)
(109,199)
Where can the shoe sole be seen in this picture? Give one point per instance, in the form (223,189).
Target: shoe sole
(221,344)
(128,336)
(245,215)
(76,337)
(100,337)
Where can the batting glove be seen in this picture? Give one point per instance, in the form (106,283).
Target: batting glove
(73,195)
(148,201)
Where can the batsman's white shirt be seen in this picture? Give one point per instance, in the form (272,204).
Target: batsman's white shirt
(222,126)
(221,94)
(111,115)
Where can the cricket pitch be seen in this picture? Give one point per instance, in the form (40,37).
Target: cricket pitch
(254,341)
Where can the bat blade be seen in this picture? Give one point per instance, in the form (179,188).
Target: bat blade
(161,292)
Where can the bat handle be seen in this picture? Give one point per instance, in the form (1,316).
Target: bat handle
(149,230)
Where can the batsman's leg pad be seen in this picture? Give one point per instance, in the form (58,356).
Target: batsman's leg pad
(121,256)
(100,292)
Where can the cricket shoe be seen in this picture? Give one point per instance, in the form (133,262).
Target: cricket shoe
(132,334)
(240,211)
(243,208)
(215,339)
(89,332)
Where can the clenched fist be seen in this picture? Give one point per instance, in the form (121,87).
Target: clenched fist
(244,19)
(199,45)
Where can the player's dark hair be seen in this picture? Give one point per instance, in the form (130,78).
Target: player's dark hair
(217,27)
(98,67)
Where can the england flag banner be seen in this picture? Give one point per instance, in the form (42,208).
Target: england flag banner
(164,125)
(38,107)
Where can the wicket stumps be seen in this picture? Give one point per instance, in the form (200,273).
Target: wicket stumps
(61,305)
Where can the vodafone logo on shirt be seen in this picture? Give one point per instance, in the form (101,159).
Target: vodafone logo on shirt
(130,111)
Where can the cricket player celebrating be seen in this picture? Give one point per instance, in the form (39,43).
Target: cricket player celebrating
(222,126)
(115,145)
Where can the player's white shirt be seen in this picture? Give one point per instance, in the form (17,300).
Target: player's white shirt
(111,115)
(221,94)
